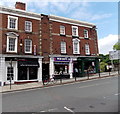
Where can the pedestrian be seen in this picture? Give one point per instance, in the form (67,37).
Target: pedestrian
(76,73)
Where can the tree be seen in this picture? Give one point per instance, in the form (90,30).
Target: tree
(102,66)
(116,46)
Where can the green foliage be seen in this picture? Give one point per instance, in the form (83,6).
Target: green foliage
(105,58)
(117,46)
(102,66)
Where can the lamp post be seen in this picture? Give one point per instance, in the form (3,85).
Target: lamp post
(10,72)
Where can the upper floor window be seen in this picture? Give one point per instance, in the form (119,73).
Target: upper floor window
(76,46)
(12,22)
(28,26)
(87,49)
(28,46)
(62,30)
(63,47)
(11,44)
(85,33)
(74,31)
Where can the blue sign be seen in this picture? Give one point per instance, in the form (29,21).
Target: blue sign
(67,59)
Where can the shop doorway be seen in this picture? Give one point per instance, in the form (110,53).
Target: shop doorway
(45,70)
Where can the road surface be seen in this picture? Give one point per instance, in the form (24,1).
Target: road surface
(99,95)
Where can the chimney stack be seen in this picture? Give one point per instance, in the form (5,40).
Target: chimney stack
(20,5)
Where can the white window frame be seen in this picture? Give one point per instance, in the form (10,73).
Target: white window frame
(16,42)
(63,47)
(78,46)
(87,49)
(16,22)
(85,36)
(30,46)
(62,30)
(30,26)
(76,31)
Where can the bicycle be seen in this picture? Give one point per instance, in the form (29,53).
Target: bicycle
(50,80)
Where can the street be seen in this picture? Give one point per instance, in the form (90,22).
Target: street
(99,95)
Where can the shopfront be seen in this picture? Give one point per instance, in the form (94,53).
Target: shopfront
(61,67)
(27,69)
(20,69)
(64,65)
(88,64)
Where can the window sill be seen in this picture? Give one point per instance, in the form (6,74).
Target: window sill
(11,29)
(62,35)
(63,53)
(75,36)
(86,38)
(29,32)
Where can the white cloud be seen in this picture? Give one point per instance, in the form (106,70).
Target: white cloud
(106,44)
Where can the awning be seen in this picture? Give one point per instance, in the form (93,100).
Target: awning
(28,64)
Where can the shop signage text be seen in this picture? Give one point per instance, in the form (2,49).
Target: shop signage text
(67,59)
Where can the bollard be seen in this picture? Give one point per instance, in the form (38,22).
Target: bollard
(61,78)
(99,73)
(88,74)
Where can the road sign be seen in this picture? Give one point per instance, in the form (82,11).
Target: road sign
(114,55)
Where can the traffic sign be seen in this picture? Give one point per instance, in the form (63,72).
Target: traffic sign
(114,55)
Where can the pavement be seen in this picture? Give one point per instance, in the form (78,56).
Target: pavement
(33,85)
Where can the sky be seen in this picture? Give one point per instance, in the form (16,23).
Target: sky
(103,13)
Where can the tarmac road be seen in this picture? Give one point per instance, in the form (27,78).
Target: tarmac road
(99,95)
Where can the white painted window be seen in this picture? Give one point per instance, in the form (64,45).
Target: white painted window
(85,33)
(28,46)
(28,26)
(63,47)
(62,30)
(12,22)
(11,44)
(74,31)
(87,49)
(76,46)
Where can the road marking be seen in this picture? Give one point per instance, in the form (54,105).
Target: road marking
(49,110)
(94,85)
(58,85)
(68,109)
(117,94)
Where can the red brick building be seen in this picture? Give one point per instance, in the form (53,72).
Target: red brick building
(68,44)
(64,44)
(19,41)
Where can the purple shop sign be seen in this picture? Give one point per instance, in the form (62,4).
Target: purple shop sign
(67,59)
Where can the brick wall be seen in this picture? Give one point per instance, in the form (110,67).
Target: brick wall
(34,35)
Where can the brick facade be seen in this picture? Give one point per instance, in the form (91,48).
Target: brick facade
(46,42)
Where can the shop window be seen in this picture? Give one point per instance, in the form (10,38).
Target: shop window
(61,69)
(74,31)
(85,33)
(28,26)
(87,49)
(10,73)
(12,22)
(63,47)
(62,30)
(28,46)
